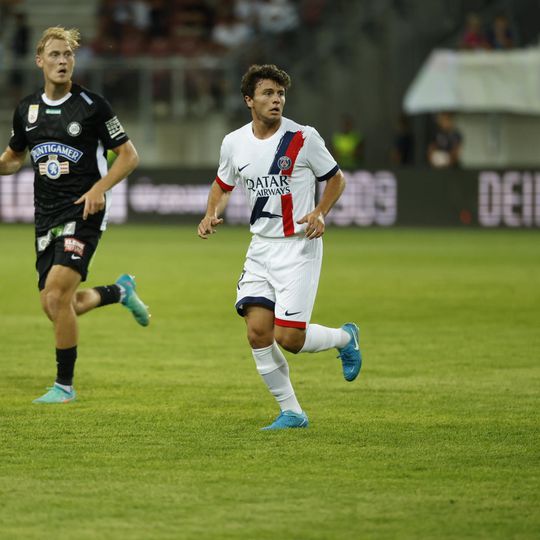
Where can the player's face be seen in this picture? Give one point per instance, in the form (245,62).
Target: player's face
(57,62)
(267,102)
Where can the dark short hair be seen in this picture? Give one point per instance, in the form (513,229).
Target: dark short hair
(257,73)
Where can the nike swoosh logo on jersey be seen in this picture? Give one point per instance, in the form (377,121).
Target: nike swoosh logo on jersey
(287,314)
(240,169)
(75,257)
(30,128)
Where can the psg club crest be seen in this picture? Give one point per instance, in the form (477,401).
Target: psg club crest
(284,163)
(33,111)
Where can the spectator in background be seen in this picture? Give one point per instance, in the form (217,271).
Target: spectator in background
(6,10)
(158,16)
(402,152)
(312,12)
(500,35)
(121,17)
(19,49)
(277,16)
(140,12)
(247,11)
(444,150)
(348,145)
(473,36)
(229,33)
(85,57)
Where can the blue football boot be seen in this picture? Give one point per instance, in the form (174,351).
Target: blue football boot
(289,419)
(351,358)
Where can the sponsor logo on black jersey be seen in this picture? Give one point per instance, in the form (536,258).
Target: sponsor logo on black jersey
(57,149)
(74,129)
(33,112)
(53,168)
(114,127)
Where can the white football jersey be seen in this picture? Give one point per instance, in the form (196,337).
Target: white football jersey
(278,174)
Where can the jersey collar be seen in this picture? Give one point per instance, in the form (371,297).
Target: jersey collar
(55,103)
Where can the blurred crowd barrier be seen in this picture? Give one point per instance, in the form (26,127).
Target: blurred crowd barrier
(175,109)
(383,198)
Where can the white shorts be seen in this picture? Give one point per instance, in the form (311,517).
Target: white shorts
(281,274)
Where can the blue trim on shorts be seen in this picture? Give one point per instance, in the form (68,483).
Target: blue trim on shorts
(253,300)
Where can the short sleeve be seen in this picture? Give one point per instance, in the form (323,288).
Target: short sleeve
(319,159)
(110,130)
(18,142)
(226,173)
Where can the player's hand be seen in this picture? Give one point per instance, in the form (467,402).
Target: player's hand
(207,226)
(94,202)
(315,224)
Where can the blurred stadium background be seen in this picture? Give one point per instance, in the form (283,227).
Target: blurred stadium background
(171,69)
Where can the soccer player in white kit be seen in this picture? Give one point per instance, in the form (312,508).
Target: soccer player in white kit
(278,162)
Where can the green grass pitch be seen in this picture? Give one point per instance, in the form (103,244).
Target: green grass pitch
(437,438)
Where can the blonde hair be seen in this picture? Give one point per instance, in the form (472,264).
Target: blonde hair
(72,37)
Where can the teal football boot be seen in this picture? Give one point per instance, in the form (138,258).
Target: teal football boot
(56,394)
(131,300)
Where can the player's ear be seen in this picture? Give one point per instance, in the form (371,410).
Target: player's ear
(249,101)
(39,61)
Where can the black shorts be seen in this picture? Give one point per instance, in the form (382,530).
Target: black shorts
(72,245)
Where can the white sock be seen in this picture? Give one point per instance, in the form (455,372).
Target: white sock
(273,368)
(321,338)
(65,387)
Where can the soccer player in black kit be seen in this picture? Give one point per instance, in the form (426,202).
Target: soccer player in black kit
(68,131)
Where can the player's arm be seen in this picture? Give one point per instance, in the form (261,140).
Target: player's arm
(315,219)
(11,161)
(217,202)
(124,164)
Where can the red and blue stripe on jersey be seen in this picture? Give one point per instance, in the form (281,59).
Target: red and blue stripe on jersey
(290,145)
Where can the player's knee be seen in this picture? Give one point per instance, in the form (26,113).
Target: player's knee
(54,300)
(291,341)
(290,345)
(45,306)
(77,302)
(259,338)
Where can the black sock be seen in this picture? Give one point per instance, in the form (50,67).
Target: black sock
(110,294)
(65,365)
